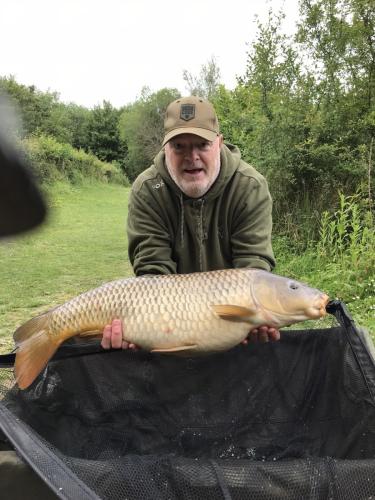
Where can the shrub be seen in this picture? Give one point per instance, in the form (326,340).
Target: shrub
(52,160)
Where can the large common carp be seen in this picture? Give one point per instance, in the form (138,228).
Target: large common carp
(199,312)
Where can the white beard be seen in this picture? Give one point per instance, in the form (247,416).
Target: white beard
(194,189)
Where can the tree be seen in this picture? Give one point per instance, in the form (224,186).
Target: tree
(103,133)
(141,128)
(323,34)
(338,36)
(43,114)
(207,83)
(273,102)
(79,119)
(35,106)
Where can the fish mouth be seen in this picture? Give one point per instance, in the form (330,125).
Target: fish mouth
(318,309)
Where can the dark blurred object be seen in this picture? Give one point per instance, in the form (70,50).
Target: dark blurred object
(21,203)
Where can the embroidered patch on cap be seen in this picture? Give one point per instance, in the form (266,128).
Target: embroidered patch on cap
(187,112)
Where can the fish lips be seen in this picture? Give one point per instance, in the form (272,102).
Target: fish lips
(318,309)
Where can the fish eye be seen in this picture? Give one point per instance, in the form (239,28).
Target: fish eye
(293,286)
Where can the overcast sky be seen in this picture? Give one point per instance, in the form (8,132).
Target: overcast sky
(90,50)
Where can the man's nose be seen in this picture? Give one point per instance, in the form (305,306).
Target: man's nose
(192,153)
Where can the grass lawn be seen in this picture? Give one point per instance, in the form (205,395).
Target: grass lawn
(83,244)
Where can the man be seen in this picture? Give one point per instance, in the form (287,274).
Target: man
(199,207)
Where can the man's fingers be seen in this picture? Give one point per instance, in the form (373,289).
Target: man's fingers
(116,334)
(263,337)
(106,340)
(253,335)
(262,334)
(129,345)
(274,334)
(112,335)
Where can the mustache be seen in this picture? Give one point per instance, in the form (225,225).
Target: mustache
(192,165)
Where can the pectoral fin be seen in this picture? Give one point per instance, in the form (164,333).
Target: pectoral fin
(233,312)
(174,349)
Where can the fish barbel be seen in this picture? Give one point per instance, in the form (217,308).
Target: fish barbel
(198,312)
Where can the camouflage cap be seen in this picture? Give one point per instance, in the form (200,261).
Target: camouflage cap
(190,115)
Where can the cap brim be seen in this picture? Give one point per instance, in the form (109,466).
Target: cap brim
(209,135)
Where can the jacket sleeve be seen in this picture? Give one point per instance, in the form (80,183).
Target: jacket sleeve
(252,227)
(149,246)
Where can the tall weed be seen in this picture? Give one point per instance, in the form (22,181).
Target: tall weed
(347,236)
(346,253)
(341,260)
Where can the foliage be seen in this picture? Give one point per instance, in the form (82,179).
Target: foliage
(303,112)
(341,262)
(35,106)
(103,133)
(52,161)
(347,236)
(68,123)
(69,135)
(141,128)
(207,83)
(43,114)
(79,118)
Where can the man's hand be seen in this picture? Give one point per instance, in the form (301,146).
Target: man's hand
(262,334)
(112,337)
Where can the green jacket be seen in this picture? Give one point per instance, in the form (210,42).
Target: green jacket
(230,226)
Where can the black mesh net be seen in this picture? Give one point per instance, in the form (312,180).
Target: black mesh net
(285,420)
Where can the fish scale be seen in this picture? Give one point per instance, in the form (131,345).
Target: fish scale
(144,305)
(199,312)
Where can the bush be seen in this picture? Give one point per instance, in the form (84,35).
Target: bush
(52,161)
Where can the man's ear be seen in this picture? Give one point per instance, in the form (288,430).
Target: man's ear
(221,139)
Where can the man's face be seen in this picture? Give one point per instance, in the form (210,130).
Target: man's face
(193,163)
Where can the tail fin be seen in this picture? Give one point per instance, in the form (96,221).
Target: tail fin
(35,348)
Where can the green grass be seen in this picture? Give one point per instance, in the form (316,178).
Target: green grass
(354,286)
(83,244)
